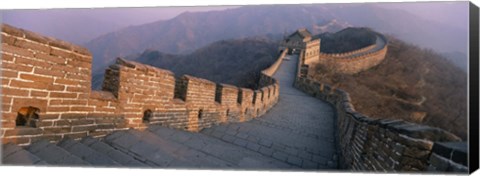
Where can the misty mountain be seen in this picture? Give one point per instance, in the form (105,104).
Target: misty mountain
(457,58)
(190,31)
(237,62)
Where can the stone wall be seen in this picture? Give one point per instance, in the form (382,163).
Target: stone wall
(354,61)
(312,51)
(53,77)
(368,144)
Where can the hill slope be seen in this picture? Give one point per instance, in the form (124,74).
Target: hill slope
(412,84)
(236,62)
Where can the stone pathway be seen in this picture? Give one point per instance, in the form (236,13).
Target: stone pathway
(297,133)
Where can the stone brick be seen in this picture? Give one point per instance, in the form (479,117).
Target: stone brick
(50,58)
(63,95)
(34,93)
(32,45)
(22,131)
(10,40)
(7,58)
(36,78)
(16,50)
(25,84)
(15,92)
(16,67)
(56,130)
(66,81)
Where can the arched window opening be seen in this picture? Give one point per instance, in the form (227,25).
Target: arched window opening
(200,114)
(147,116)
(27,116)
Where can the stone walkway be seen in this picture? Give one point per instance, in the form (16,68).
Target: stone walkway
(297,133)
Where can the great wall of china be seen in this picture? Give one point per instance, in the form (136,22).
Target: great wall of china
(349,62)
(381,144)
(55,76)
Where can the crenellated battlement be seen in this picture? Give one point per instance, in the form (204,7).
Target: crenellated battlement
(55,77)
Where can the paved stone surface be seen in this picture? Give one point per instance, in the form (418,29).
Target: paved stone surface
(298,131)
(112,153)
(86,153)
(53,154)
(15,155)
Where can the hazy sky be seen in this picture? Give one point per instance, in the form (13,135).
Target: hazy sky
(81,25)
(452,13)
(87,24)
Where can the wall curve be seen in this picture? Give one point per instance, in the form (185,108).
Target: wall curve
(354,61)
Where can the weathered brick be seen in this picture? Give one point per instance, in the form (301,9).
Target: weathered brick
(8,124)
(81,108)
(58,109)
(16,140)
(17,67)
(34,93)
(66,81)
(5,81)
(8,39)
(61,53)
(15,92)
(55,87)
(50,58)
(76,63)
(63,95)
(77,89)
(49,116)
(56,130)
(32,45)
(73,116)
(12,30)
(25,84)
(82,122)
(16,50)
(62,123)
(35,63)
(83,128)
(49,72)
(7,58)
(35,37)
(22,131)
(36,78)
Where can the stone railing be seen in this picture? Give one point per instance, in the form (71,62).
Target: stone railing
(354,61)
(368,144)
(46,82)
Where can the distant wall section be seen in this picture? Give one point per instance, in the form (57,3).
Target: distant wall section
(368,144)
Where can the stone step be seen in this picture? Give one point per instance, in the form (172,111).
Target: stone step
(234,156)
(183,156)
(86,153)
(268,142)
(55,155)
(15,155)
(137,147)
(112,153)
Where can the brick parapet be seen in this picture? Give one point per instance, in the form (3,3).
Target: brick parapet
(55,77)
